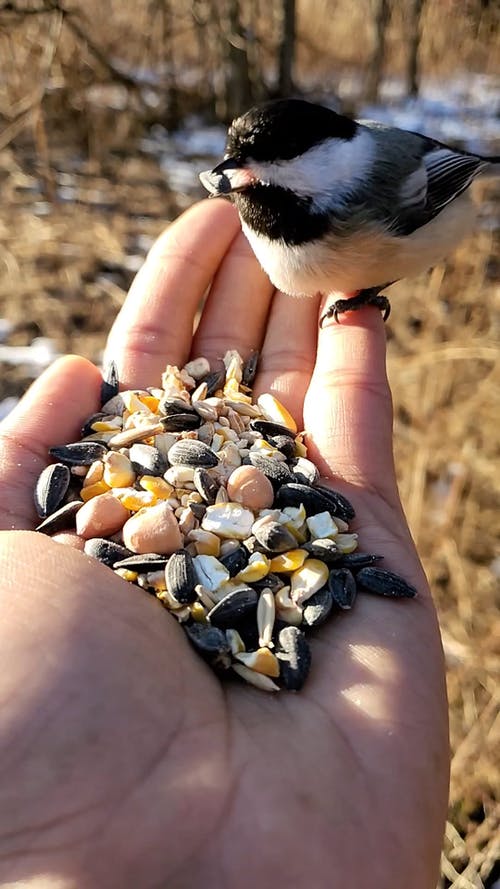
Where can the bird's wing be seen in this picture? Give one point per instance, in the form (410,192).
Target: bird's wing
(441,176)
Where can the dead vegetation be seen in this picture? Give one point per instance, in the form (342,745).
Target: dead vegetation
(81,204)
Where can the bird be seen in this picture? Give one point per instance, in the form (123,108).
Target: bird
(332,204)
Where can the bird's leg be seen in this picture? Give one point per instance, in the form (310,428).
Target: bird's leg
(369,297)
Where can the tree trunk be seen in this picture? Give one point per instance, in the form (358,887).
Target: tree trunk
(287,48)
(413,67)
(382,14)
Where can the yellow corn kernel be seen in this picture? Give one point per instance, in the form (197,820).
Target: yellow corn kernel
(300,448)
(289,561)
(150,401)
(127,574)
(198,612)
(94,473)
(257,568)
(134,500)
(106,425)
(275,411)
(262,661)
(93,490)
(118,470)
(307,580)
(158,486)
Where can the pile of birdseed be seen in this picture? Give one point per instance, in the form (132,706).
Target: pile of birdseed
(208,501)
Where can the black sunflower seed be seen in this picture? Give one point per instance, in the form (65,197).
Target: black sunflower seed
(63,519)
(206,486)
(233,607)
(384,583)
(342,587)
(147,459)
(275,538)
(143,562)
(267,428)
(276,471)
(355,561)
(106,551)
(342,507)
(304,471)
(110,385)
(210,643)
(250,369)
(215,380)
(323,548)
(79,453)
(284,444)
(180,422)
(294,655)
(235,561)
(51,489)
(180,577)
(317,608)
(190,452)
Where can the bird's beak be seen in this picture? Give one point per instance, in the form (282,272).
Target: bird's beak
(227,177)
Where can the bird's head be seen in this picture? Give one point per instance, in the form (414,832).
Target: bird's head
(289,144)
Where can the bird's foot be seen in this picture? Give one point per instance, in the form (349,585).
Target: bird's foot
(369,297)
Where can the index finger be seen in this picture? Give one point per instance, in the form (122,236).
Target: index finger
(155,324)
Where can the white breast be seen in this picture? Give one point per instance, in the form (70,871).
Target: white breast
(368,259)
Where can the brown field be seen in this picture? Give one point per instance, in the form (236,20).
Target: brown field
(65,267)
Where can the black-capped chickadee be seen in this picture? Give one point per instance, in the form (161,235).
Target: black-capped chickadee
(329,203)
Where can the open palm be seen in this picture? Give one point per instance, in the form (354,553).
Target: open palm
(124,761)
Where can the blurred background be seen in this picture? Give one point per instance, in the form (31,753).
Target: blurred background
(108,111)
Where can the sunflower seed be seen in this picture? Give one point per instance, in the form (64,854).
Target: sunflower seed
(235,561)
(304,471)
(324,549)
(51,489)
(356,561)
(79,453)
(384,583)
(63,519)
(341,505)
(233,608)
(215,381)
(180,422)
(106,551)
(273,536)
(317,609)
(294,654)
(147,459)
(180,577)
(189,452)
(268,428)
(293,494)
(143,562)
(342,587)
(206,485)
(250,369)
(110,384)
(211,643)
(277,472)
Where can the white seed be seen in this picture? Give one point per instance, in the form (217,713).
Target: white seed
(321,526)
(197,368)
(253,678)
(179,475)
(235,641)
(266,611)
(228,520)
(286,608)
(308,579)
(346,543)
(210,572)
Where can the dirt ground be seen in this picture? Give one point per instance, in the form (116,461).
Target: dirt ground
(64,270)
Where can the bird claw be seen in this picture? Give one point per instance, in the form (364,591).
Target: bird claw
(364,298)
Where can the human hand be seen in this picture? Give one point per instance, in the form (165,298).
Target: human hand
(125,762)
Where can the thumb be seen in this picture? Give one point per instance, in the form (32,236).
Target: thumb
(348,408)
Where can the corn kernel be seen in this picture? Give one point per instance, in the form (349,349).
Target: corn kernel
(290,561)
(93,490)
(158,486)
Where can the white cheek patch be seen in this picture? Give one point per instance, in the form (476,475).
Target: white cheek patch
(327,170)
